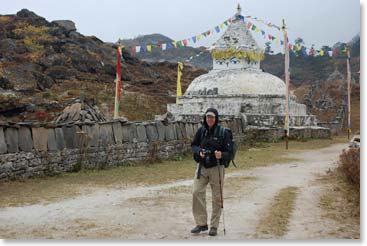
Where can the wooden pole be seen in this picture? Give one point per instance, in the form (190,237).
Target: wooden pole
(118,82)
(349,80)
(286,78)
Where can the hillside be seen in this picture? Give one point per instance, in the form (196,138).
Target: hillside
(203,61)
(46,65)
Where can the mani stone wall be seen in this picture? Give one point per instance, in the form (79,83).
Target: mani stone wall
(27,150)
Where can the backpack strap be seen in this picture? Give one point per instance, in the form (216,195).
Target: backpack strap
(203,132)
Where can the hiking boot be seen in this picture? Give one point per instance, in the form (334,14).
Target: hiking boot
(213,231)
(198,229)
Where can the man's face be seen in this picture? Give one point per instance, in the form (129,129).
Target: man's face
(210,120)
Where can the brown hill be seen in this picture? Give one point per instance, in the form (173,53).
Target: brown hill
(46,65)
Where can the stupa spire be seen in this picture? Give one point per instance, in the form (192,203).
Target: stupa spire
(239,9)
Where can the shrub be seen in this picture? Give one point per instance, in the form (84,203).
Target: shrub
(349,165)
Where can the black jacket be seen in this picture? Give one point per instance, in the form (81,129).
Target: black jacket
(210,142)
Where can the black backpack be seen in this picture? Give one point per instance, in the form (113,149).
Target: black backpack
(219,132)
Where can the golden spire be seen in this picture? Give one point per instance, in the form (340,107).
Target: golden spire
(239,9)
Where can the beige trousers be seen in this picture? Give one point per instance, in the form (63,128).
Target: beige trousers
(209,175)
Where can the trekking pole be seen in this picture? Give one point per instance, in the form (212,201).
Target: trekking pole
(221,195)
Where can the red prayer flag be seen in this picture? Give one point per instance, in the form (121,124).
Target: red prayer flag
(249,24)
(185,42)
(118,74)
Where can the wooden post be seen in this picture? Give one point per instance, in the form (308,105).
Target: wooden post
(349,80)
(286,78)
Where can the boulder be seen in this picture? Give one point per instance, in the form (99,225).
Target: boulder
(67,25)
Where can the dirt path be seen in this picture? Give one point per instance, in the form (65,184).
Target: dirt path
(164,211)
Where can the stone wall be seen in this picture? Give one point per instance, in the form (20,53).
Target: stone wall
(28,150)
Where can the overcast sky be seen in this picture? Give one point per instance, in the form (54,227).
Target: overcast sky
(319,22)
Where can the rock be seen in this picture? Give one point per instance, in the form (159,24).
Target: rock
(25,139)
(70,136)
(11,138)
(21,77)
(129,133)
(141,133)
(61,72)
(40,138)
(25,13)
(170,132)
(32,18)
(43,81)
(117,132)
(53,60)
(67,25)
(106,134)
(93,134)
(78,113)
(178,131)
(59,137)
(167,117)
(161,130)
(152,132)
(51,141)
(189,130)
(3,147)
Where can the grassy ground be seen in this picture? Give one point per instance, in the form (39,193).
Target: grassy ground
(48,189)
(341,202)
(275,222)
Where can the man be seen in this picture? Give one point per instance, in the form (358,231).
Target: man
(210,150)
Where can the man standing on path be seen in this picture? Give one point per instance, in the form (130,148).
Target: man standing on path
(210,149)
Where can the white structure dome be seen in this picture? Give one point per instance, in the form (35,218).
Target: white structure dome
(236,82)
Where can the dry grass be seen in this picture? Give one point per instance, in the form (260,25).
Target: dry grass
(275,221)
(341,202)
(349,165)
(67,185)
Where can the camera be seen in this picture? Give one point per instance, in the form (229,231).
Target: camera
(207,154)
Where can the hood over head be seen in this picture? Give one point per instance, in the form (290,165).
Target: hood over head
(215,112)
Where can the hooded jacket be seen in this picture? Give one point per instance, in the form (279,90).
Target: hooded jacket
(207,140)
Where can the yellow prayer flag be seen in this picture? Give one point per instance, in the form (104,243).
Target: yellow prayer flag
(277,40)
(257,29)
(321,52)
(174,44)
(221,25)
(179,74)
(198,37)
(149,48)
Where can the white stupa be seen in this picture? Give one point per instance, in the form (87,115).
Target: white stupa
(236,85)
